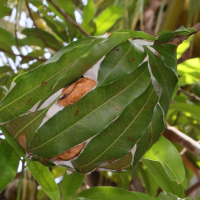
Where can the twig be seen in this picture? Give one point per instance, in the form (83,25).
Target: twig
(69,19)
(38,31)
(193,96)
(172,134)
(191,189)
(22,56)
(180,38)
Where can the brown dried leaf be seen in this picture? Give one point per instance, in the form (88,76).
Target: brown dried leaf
(67,155)
(22,140)
(75,91)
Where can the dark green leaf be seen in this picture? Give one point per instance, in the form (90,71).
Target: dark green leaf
(152,134)
(159,174)
(9,164)
(165,77)
(168,55)
(166,35)
(70,184)
(4,11)
(120,61)
(122,163)
(121,135)
(49,78)
(81,123)
(45,179)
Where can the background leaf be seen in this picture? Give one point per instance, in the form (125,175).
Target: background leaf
(159,174)
(170,159)
(9,164)
(70,184)
(45,179)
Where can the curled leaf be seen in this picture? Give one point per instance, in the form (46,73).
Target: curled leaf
(67,155)
(75,91)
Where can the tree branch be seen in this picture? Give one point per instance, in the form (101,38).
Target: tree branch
(191,95)
(174,135)
(22,56)
(180,38)
(69,19)
(38,31)
(191,189)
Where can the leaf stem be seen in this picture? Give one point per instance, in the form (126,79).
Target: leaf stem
(20,180)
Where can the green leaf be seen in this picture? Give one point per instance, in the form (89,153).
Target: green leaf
(188,71)
(172,164)
(33,38)
(23,128)
(198,198)
(7,36)
(58,171)
(121,135)
(5,69)
(167,35)
(107,19)
(152,134)
(122,163)
(165,77)
(70,184)
(89,12)
(191,110)
(120,62)
(170,196)
(4,11)
(12,142)
(69,8)
(111,193)
(44,179)
(151,185)
(47,79)
(183,46)
(88,15)
(57,27)
(138,35)
(81,123)
(9,164)
(168,55)
(159,174)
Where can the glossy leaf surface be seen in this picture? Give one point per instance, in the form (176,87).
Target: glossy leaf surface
(120,61)
(54,76)
(81,123)
(151,135)
(119,137)
(165,77)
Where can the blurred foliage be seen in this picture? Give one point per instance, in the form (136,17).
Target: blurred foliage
(31,31)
